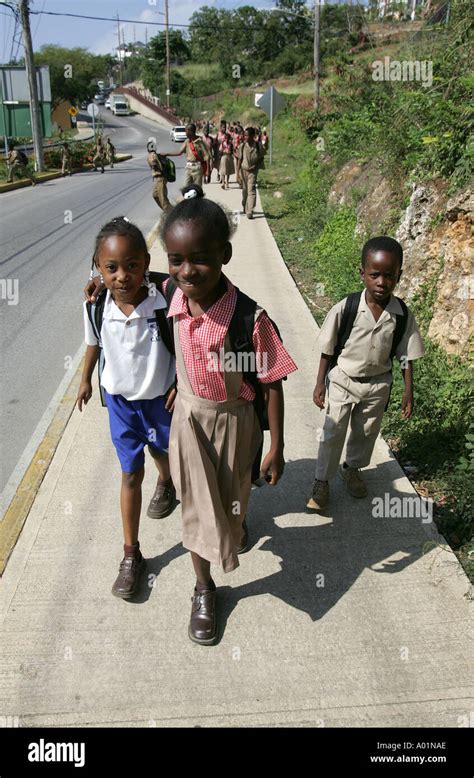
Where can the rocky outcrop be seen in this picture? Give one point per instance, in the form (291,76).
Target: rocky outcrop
(435,231)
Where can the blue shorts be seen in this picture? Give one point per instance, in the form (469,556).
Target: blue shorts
(135,424)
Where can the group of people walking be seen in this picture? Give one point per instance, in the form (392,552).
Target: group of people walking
(17,160)
(232,151)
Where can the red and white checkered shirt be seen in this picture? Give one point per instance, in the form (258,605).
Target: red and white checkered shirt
(203,335)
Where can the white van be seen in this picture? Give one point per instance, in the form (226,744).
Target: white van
(120,106)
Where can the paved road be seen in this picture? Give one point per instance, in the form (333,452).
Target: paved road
(47,235)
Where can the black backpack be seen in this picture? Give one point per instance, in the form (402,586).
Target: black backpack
(169,169)
(95,311)
(24,159)
(241,339)
(347,322)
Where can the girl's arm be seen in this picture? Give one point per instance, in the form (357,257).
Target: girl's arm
(84,392)
(407,399)
(273,463)
(319,394)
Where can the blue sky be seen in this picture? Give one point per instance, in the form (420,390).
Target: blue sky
(101,37)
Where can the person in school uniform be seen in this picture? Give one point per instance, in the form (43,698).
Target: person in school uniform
(209,141)
(226,167)
(356,391)
(160,185)
(66,160)
(197,156)
(16,164)
(110,152)
(250,155)
(98,158)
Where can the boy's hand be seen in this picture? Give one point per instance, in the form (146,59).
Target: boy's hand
(170,398)
(92,289)
(84,394)
(407,405)
(319,395)
(272,467)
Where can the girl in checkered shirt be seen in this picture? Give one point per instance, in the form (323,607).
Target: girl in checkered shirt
(215,432)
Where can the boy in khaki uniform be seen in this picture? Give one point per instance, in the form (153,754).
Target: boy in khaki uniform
(99,155)
(66,160)
(15,164)
(359,385)
(197,156)
(249,157)
(160,186)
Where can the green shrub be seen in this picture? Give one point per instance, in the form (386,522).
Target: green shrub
(337,255)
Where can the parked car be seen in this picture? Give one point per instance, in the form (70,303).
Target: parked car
(84,105)
(178,134)
(100,99)
(107,103)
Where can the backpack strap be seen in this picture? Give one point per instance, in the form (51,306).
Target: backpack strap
(164,323)
(400,328)
(347,322)
(95,312)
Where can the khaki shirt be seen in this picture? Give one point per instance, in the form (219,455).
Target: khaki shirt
(367,349)
(14,158)
(155,164)
(201,150)
(251,156)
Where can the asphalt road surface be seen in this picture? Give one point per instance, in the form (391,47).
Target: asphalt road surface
(47,237)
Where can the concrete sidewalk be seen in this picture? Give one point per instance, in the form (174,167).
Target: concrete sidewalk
(339,619)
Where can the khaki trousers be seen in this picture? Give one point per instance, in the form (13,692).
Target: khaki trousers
(360,403)
(193,174)
(160,193)
(249,190)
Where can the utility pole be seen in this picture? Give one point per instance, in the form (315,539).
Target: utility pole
(167,34)
(33,86)
(119,51)
(317,43)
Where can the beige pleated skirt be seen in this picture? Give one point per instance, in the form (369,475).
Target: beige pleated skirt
(212,449)
(226,166)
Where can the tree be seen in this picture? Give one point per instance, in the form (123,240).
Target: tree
(179,48)
(72,71)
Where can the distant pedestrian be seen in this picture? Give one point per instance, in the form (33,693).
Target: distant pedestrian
(160,186)
(220,137)
(126,329)
(110,152)
(250,157)
(17,163)
(216,434)
(66,160)
(226,167)
(99,155)
(210,143)
(197,156)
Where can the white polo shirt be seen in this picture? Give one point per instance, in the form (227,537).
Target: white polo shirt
(137,363)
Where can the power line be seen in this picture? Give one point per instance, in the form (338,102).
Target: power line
(155,24)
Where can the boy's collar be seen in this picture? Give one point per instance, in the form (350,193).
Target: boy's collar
(393,305)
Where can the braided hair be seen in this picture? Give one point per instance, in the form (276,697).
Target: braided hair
(119,226)
(195,207)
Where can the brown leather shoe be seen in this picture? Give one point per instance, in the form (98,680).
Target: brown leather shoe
(203,623)
(244,543)
(163,501)
(128,578)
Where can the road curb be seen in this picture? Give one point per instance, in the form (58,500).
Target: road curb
(22,183)
(22,501)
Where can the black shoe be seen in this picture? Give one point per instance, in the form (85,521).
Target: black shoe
(244,544)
